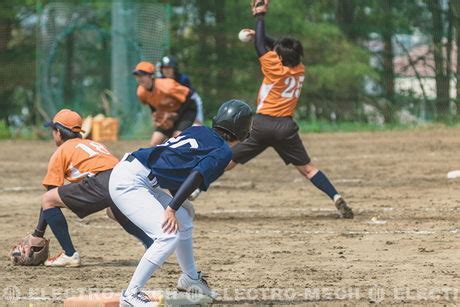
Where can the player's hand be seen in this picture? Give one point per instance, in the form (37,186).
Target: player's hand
(259,6)
(250,32)
(170,225)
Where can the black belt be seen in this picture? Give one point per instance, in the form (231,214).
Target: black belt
(131,158)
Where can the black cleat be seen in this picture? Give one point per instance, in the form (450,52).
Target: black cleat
(344,211)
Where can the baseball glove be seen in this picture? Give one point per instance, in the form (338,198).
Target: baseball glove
(30,251)
(259,6)
(164,120)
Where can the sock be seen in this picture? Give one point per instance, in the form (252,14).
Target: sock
(320,181)
(41,226)
(131,228)
(143,272)
(184,254)
(58,225)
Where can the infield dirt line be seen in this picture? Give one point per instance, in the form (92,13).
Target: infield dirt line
(317,232)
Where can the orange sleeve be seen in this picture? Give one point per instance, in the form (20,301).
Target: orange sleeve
(179,92)
(56,169)
(271,66)
(142,94)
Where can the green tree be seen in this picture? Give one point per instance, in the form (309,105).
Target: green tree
(222,67)
(17,59)
(442,36)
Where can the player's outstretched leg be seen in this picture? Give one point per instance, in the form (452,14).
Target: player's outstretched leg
(319,180)
(190,280)
(153,258)
(52,204)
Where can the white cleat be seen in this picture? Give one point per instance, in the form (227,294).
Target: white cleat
(200,285)
(135,299)
(62,260)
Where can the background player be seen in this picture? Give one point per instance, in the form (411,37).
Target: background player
(172,104)
(87,165)
(276,103)
(169,68)
(194,159)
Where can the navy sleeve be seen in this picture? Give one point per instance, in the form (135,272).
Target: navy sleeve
(260,41)
(269,42)
(191,183)
(213,166)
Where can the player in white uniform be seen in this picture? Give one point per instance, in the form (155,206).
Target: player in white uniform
(194,159)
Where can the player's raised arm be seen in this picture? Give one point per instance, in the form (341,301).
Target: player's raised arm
(261,42)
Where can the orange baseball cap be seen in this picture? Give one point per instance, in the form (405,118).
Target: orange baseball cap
(68,119)
(144,68)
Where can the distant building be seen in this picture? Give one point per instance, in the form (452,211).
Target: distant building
(415,72)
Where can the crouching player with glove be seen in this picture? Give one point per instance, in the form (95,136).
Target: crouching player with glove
(194,159)
(173,105)
(87,165)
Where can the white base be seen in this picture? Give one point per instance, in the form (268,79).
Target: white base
(453,174)
(160,297)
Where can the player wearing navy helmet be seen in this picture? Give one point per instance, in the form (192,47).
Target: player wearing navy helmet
(169,68)
(194,159)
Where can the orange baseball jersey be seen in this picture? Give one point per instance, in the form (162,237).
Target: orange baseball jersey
(280,89)
(167,91)
(75,159)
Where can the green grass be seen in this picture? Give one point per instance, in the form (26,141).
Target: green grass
(325,126)
(4,131)
(39,133)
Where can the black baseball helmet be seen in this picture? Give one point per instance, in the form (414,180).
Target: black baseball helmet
(234,117)
(169,61)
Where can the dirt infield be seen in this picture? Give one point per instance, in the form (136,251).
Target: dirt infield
(265,235)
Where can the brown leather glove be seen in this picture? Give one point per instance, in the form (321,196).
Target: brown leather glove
(30,251)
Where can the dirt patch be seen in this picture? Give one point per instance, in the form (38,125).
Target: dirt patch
(265,235)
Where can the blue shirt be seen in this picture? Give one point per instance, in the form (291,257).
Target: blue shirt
(197,148)
(182,79)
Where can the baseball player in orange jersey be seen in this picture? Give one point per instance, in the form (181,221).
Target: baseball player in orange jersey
(173,105)
(87,165)
(279,93)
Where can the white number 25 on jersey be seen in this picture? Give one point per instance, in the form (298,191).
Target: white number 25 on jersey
(293,87)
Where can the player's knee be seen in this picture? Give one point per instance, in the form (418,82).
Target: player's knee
(47,201)
(311,170)
(307,170)
(186,234)
(162,248)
